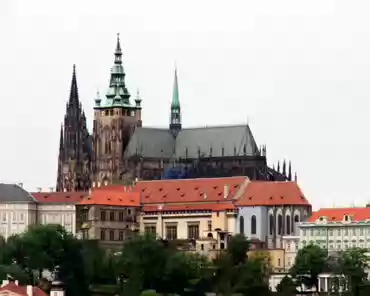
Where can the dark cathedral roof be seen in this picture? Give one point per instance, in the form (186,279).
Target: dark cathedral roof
(220,141)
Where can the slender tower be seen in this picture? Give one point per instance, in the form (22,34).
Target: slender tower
(175,121)
(74,159)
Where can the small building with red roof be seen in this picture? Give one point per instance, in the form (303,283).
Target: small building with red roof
(269,210)
(337,229)
(109,214)
(58,208)
(13,288)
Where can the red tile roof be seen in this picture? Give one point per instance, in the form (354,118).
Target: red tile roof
(214,207)
(22,290)
(337,214)
(266,193)
(188,190)
(59,197)
(112,197)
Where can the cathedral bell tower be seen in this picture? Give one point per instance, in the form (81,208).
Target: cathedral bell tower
(115,119)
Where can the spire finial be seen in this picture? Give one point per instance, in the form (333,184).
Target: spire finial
(290,171)
(284,168)
(73,96)
(295,177)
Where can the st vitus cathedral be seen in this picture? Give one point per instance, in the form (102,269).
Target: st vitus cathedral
(121,150)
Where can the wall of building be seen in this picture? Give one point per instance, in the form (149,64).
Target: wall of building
(245,216)
(63,214)
(290,245)
(15,218)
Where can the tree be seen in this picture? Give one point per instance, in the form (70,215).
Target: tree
(309,263)
(287,287)
(352,264)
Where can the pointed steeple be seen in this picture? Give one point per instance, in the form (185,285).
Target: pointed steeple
(175,124)
(61,140)
(73,95)
(278,167)
(117,94)
(290,171)
(295,177)
(175,104)
(284,168)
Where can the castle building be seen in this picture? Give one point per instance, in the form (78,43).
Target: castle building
(120,149)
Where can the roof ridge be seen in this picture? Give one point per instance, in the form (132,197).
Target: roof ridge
(190,179)
(216,126)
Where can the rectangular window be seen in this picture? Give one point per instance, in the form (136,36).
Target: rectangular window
(121,235)
(111,216)
(361,231)
(339,232)
(354,231)
(120,216)
(345,231)
(111,235)
(102,215)
(331,232)
(193,231)
(102,234)
(209,225)
(150,229)
(171,232)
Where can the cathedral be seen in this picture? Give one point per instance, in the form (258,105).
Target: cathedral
(121,150)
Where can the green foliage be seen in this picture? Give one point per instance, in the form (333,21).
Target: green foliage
(309,263)
(149,293)
(287,287)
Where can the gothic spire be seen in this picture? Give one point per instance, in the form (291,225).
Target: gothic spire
(61,141)
(290,171)
(73,96)
(175,124)
(284,168)
(278,167)
(175,104)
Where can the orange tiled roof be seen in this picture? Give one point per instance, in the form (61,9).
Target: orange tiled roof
(188,190)
(214,207)
(112,197)
(337,214)
(266,193)
(59,197)
(22,290)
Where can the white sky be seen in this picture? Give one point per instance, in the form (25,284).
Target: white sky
(298,70)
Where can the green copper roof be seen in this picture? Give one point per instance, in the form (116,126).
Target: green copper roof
(117,94)
(175,95)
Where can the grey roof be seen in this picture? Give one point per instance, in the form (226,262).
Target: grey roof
(218,141)
(10,193)
(151,142)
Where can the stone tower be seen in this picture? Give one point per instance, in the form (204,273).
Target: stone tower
(115,119)
(74,159)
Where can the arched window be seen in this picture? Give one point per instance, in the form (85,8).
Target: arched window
(271,224)
(288,226)
(296,218)
(280,224)
(241,225)
(253,225)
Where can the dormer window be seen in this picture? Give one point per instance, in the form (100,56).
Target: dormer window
(347,218)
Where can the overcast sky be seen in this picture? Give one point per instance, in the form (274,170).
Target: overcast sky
(299,71)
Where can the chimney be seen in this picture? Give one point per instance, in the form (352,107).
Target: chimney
(90,191)
(51,189)
(124,188)
(226,190)
(29,290)
(65,190)
(20,185)
(16,282)
(93,184)
(105,183)
(39,189)
(4,283)
(99,184)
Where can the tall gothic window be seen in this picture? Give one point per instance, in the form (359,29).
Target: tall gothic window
(296,218)
(241,225)
(253,225)
(271,224)
(288,226)
(280,224)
